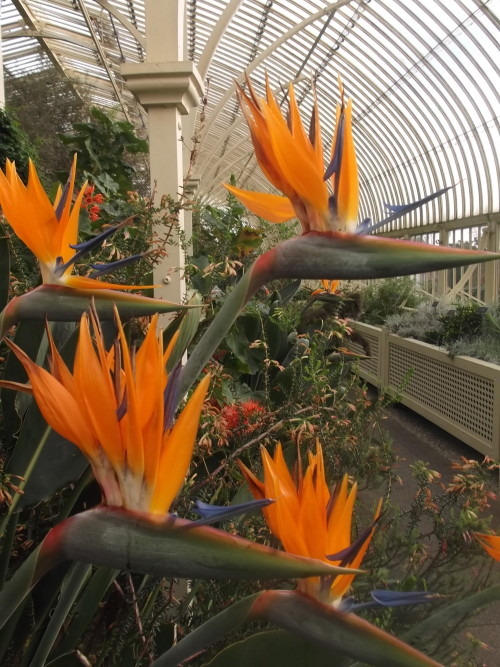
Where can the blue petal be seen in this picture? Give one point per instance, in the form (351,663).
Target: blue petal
(170,397)
(95,240)
(122,408)
(101,269)
(213,513)
(385,598)
(399,210)
(334,166)
(402,598)
(395,208)
(85,247)
(348,554)
(62,201)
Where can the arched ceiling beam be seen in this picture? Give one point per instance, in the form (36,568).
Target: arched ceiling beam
(331,7)
(128,25)
(103,57)
(216,35)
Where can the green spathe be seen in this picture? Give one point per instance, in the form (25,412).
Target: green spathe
(152,544)
(65,304)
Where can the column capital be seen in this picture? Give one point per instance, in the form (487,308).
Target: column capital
(169,84)
(191,184)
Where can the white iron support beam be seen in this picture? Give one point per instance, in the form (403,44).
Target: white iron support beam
(168,87)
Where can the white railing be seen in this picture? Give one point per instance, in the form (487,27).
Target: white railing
(460,394)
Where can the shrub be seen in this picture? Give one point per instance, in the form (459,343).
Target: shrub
(388,297)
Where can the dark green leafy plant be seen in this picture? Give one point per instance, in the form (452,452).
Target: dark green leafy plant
(46,103)
(15,144)
(104,147)
(388,297)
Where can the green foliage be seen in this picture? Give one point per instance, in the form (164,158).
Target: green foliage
(388,297)
(426,545)
(464,320)
(223,243)
(103,146)
(46,103)
(15,145)
(464,330)
(423,324)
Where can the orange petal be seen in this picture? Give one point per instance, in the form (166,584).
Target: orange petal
(343,581)
(130,424)
(491,543)
(84,283)
(58,407)
(257,488)
(178,450)
(299,168)
(348,186)
(273,208)
(96,396)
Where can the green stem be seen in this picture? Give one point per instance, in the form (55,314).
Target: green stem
(82,482)
(8,540)
(39,562)
(222,322)
(70,590)
(86,607)
(25,479)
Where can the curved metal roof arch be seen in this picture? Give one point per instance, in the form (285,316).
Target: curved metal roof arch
(423,74)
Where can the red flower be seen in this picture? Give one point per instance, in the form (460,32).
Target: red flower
(246,416)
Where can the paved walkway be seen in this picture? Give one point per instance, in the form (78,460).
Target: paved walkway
(417,439)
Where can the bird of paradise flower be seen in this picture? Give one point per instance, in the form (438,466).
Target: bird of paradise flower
(50,230)
(117,406)
(311,521)
(293,162)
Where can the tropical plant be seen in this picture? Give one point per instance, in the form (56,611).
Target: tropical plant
(388,298)
(103,146)
(124,410)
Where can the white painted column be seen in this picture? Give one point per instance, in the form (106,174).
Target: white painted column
(442,276)
(492,269)
(168,87)
(2,86)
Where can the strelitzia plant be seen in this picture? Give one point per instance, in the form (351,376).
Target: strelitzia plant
(118,407)
(50,231)
(325,201)
(310,520)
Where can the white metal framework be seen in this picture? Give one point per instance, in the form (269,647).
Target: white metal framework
(424,76)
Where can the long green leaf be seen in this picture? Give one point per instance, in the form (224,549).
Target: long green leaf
(4,271)
(303,616)
(454,611)
(38,563)
(28,337)
(57,463)
(86,607)
(25,477)
(72,586)
(276,647)
(64,304)
(162,546)
(187,330)
(218,328)
(211,631)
